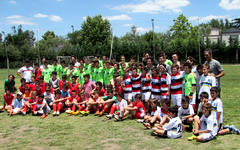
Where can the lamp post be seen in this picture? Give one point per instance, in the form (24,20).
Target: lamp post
(153,39)
(6,50)
(199,48)
(72,28)
(110,57)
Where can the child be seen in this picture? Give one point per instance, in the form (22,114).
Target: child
(206,81)
(37,71)
(127,86)
(106,102)
(46,72)
(206,126)
(136,109)
(41,107)
(173,128)
(17,105)
(30,103)
(58,103)
(204,98)
(176,85)
(148,117)
(74,84)
(54,81)
(88,86)
(146,88)
(8,99)
(186,113)
(165,80)
(159,114)
(64,81)
(72,102)
(48,96)
(39,89)
(155,78)
(99,88)
(190,85)
(118,107)
(23,85)
(80,75)
(91,103)
(136,83)
(27,94)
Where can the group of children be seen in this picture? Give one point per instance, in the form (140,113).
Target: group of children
(142,92)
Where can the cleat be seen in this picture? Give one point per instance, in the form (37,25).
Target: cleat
(109,116)
(234,129)
(193,137)
(140,121)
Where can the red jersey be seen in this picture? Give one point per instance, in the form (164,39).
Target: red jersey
(136,83)
(32,86)
(37,73)
(155,85)
(40,90)
(102,92)
(8,99)
(32,100)
(127,83)
(61,83)
(140,107)
(77,98)
(177,83)
(75,87)
(22,88)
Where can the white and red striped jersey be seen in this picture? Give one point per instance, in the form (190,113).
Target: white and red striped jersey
(155,85)
(136,83)
(146,85)
(177,82)
(127,84)
(165,80)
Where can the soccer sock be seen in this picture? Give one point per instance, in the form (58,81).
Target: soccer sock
(34,107)
(59,107)
(81,108)
(112,110)
(73,107)
(25,108)
(54,107)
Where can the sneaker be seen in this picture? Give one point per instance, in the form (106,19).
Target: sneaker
(140,120)
(57,113)
(54,113)
(24,112)
(86,113)
(109,116)
(76,113)
(193,137)
(234,129)
(96,113)
(43,116)
(68,111)
(100,114)
(117,118)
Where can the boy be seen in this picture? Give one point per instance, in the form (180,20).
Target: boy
(206,81)
(64,81)
(136,109)
(136,83)
(118,107)
(186,113)
(100,89)
(54,81)
(146,88)
(165,80)
(176,85)
(88,86)
(8,99)
(23,85)
(204,98)
(41,107)
(63,70)
(159,114)
(108,74)
(58,103)
(106,102)
(173,128)
(206,126)
(190,85)
(17,105)
(46,72)
(127,86)
(155,79)
(72,101)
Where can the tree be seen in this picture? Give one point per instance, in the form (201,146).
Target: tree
(236,23)
(95,35)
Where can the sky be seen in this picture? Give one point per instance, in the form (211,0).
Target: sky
(59,15)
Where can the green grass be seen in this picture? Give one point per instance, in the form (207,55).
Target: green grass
(75,132)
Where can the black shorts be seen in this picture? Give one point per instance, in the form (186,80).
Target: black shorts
(165,134)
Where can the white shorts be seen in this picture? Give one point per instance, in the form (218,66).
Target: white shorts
(173,135)
(193,100)
(15,110)
(207,136)
(128,96)
(146,96)
(176,99)
(164,97)
(157,97)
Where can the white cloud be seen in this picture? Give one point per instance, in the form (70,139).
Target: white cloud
(84,18)
(12,2)
(17,20)
(154,6)
(142,29)
(119,17)
(128,25)
(230,5)
(207,18)
(50,17)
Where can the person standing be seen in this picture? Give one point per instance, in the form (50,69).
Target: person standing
(26,72)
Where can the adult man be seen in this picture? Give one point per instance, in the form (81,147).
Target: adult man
(161,62)
(76,63)
(26,72)
(215,67)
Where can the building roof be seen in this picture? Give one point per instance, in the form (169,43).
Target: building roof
(231,30)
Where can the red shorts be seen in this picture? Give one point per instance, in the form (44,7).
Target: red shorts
(139,115)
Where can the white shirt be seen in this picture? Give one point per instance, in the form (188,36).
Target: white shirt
(27,73)
(122,104)
(160,112)
(209,123)
(206,83)
(217,107)
(18,104)
(76,65)
(185,112)
(174,128)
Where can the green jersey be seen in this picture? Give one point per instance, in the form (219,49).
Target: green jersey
(46,73)
(63,71)
(169,62)
(98,74)
(74,73)
(100,63)
(87,68)
(108,75)
(107,98)
(81,77)
(189,81)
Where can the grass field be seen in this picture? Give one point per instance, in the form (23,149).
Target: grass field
(75,132)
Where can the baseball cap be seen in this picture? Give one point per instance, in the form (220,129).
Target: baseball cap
(19,93)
